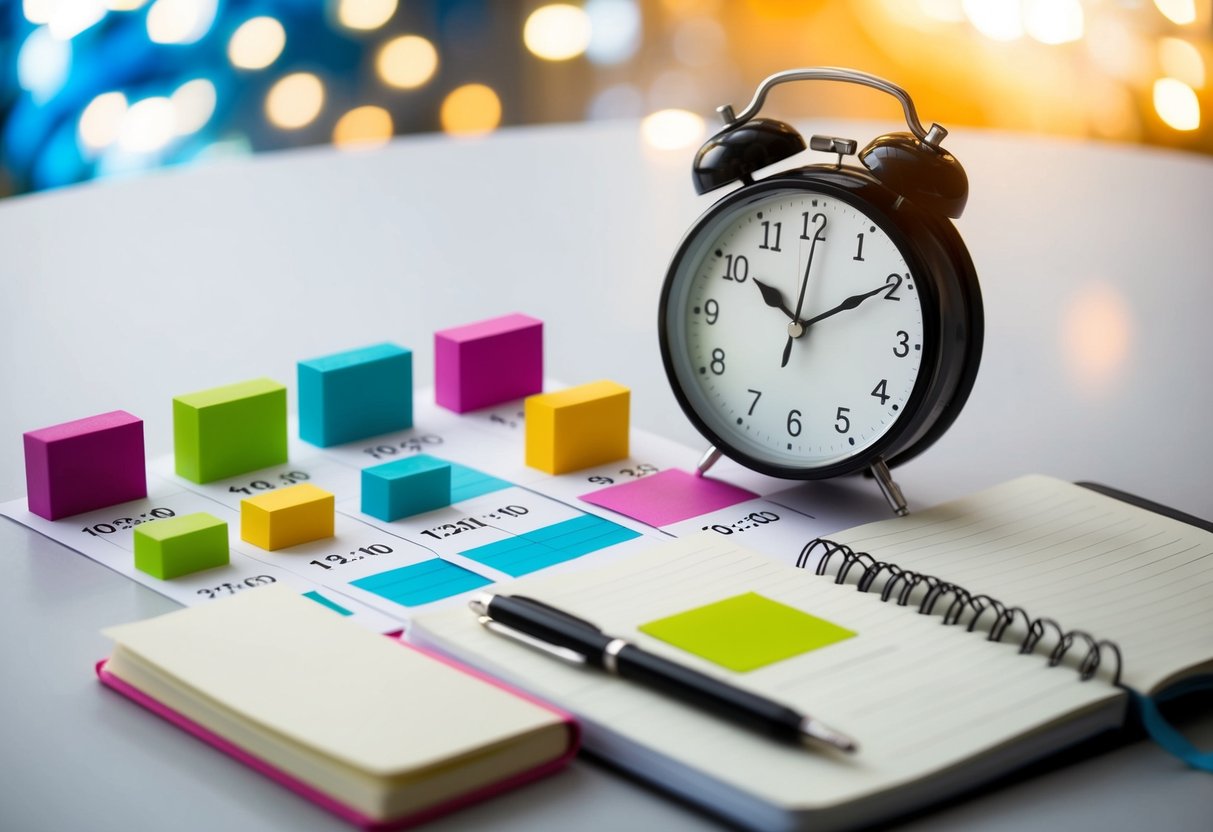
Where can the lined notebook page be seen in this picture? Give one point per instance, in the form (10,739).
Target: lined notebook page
(917,696)
(1088,561)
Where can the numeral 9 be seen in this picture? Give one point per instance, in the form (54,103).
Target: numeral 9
(711,311)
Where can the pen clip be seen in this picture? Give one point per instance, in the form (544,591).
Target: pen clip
(563,653)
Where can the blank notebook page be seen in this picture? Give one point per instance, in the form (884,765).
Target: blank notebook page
(1086,560)
(917,696)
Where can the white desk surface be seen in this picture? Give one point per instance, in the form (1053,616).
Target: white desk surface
(125,293)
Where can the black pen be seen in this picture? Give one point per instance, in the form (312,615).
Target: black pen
(579,642)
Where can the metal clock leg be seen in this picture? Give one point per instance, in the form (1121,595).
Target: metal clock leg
(890,489)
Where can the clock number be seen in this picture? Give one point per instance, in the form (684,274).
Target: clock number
(842,422)
(794,423)
(753,404)
(717,364)
(894,281)
(820,234)
(859,252)
(766,235)
(903,344)
(711,309)
(879,391)
(736,268)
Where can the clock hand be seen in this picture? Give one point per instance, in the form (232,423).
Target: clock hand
(795,329)
(849,303)
(773,298)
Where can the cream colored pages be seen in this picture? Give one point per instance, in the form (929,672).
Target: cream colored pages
(917,696)
(1088,561)
(294,667)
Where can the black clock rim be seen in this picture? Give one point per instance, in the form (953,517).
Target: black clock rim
(877,203)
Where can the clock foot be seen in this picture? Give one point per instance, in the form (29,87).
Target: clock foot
(707,460)
(890,489)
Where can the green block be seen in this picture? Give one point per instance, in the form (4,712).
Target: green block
(229,430)
(746,632)
(181,545)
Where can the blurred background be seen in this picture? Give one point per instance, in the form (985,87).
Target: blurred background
(102,88)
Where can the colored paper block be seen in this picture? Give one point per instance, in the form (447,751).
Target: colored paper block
(325,602)
(746,632)
(287,516)
(84,465)
(422,583)
(356,394)
(229,430)
(181,545)
(576,428)
(406,487)
(488,362)
(550,545)
(668,496)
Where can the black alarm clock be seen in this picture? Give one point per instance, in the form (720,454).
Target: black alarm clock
(824,320)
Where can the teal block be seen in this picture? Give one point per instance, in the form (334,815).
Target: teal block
(181,545)
(229,430)
(355,395)
(406,487)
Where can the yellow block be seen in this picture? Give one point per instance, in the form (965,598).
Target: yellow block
(577,428)
(287,516)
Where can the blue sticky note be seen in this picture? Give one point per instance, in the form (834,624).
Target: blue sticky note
(405,487)
(355,395)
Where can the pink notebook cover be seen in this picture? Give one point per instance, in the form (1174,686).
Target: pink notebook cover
(331,804)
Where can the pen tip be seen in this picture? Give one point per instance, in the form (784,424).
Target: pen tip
(813,731)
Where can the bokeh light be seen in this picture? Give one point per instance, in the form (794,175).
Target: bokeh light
(257,43)
(996,19)
(470,110)
(43,64)
(193,105)
(363,127)
(557,32)
(407,62)
(1176,104)
(1053,21)
(672,129)
(615,30)
(1180,12)
(295,101)
(180,21)
(101,121)
(1180,59)
(365,15)
(149,125)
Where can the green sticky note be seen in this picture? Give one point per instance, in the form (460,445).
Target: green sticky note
(229,430)
(746,632)
(181,545)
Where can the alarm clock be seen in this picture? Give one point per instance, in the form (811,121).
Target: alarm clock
(824,320)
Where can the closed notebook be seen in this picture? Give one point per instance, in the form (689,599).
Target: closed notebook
(935,709)
(376,731)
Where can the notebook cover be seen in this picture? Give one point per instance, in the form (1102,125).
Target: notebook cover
(331,804)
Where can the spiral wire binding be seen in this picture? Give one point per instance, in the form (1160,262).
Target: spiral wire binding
(900,584)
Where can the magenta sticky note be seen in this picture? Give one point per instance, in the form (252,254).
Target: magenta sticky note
(84,465)
(668,496)
(488,362)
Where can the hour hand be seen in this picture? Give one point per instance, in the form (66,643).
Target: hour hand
(773,298)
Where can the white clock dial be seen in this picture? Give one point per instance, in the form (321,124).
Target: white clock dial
(796,328)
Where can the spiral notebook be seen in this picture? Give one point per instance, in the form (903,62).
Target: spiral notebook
(936,709)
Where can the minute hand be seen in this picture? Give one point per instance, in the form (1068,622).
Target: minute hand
(849,303)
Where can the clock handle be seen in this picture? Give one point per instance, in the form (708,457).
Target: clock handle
(930,137)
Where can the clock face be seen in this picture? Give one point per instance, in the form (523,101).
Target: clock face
(794,326)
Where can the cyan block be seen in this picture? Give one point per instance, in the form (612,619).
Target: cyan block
(406,487)
(488,362)
(355,394)
(181,545)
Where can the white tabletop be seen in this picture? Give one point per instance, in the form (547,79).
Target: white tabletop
(1093,261)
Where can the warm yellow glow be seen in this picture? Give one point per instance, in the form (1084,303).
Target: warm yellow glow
(1096,333)
(363,127)
(149,125)
(365,14)
(672,129)
(257,43)
(1177,11)
(180,21)
(295,101)
(1117,50)
(947,11)
(193,105)
(1180,59)
(996,19)
(1053,21)
(407,62)
(557,32)
(125,5)
(1176,104)
(101,121)
(470,110)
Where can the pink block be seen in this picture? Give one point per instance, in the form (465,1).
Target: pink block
(84,465)
(668,496)
(489,362)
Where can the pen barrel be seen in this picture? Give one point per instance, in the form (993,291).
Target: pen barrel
(721,698)
(550,626)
